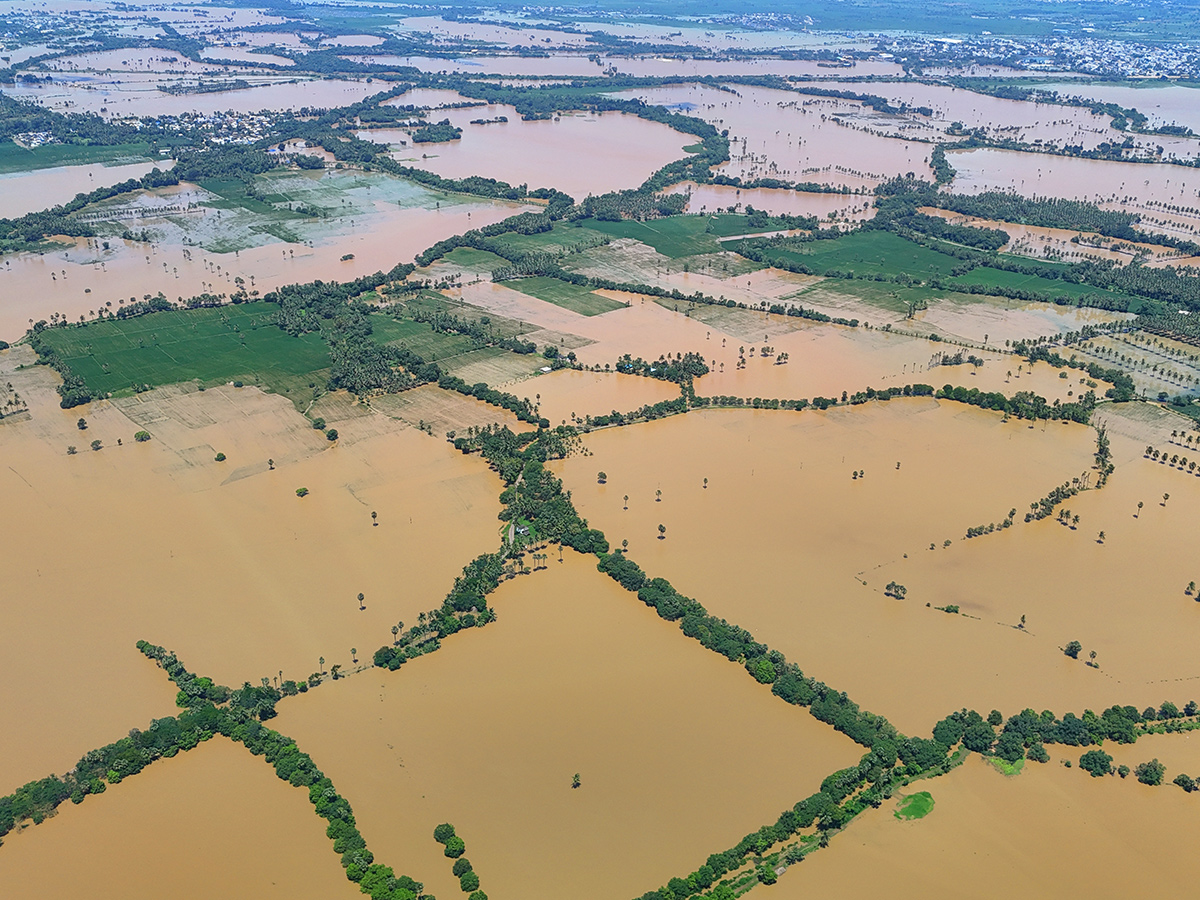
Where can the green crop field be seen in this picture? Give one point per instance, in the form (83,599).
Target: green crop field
(17,159)
(869,253)
(985,275)
(207,345)
(675,236)
(562,293)
(419,338)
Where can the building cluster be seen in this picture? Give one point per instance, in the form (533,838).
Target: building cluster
(215,128)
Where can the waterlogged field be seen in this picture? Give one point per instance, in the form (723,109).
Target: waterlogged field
(265,528)
(171,546)
(575,676)
(979,836)
(817,547)
(230,827)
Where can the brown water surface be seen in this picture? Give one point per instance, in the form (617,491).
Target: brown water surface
(212,822)
(575,676)
(815,547)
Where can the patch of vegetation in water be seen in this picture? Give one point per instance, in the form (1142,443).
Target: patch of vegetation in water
(914,806)
(14,158)
(211,346)
(574,297)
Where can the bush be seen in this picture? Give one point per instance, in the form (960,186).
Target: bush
(1150,772)
(331,434)
(301,492)
(1096,763)
(142,436)
(318,424)
(1072,649)
(220,457)
(1123,771)
(1186,782)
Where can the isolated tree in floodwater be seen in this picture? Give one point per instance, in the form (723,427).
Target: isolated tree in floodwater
(395,631)
(658,496)
(353,654)
(1072,649)
(601,478)
(374,517)
(1138,515)
(624,545)
(627,501)
(662,532)
(1166,497)
(575,781)
(361,605)
(1101,537)
(321,661)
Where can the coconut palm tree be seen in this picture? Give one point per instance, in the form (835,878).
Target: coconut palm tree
(662,532)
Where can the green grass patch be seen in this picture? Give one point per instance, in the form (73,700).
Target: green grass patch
(207,345)
(1004,767)
(562,293)
(674,236)
(19,159)
(869,253)
(987,276)
(419,338)
(914,806)
(474,260)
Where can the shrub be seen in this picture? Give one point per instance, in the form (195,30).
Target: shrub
(220,457)
(1123,771)
(1096,763)
(1150,772)
(331,434)
(318,424)
(1186,782)
(1072,649)
(96,445)
(301,492)
(142,436)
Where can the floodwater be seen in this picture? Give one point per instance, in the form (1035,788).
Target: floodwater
(573,65)
(212,822)
(1123,598)
(1162,104)
(1136,187)
(168,545)
(815,547)
(580,154)
(777,134)
(1000,118)
(576,675)
(1046,827)
(137,94)
(711,197)
(26,192)
(86,274)
(563,394)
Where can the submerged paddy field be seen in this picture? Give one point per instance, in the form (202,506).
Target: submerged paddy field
(451,463)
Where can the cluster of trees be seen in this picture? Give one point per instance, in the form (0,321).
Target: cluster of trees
(454,847)
(1122,384)
(755,402)
(987,239)
(518,406)
(646,413)
(681,369)
(483,335)
(1023,404)
(435,133)
(225,162)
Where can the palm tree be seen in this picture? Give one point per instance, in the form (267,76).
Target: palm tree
(1022,625)
(624,545)
(395,631)
(627,501)
(353,654)
(1101,538)
(1074,522)
(706,484)
(1166,497)
(1139,512)
(271,465)
(662,532)
(374,517)
(321,660)
(658,496)
(361,605)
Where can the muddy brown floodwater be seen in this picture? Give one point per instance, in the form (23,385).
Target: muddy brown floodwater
(580,154)
(26,192)
(1050,829)
(212,822)
(783,538)
(576,675)
(221,562)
